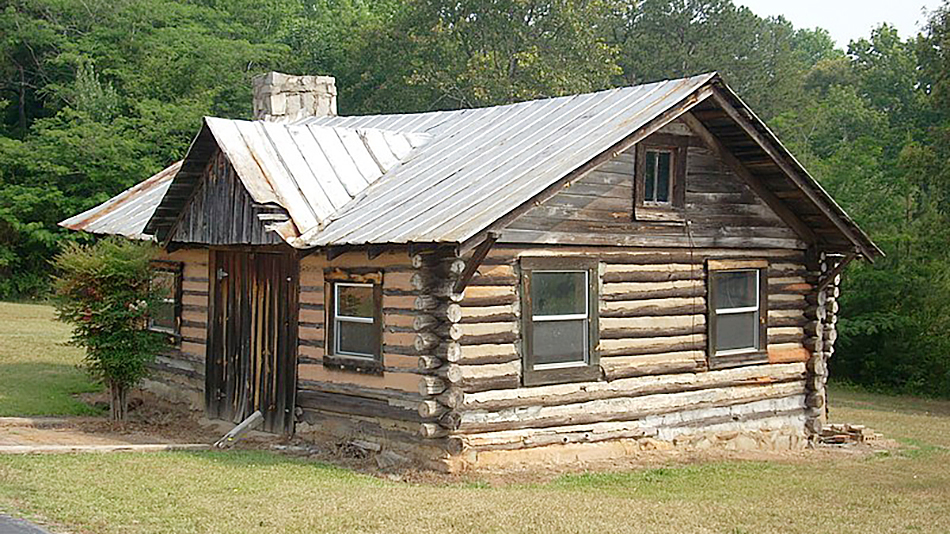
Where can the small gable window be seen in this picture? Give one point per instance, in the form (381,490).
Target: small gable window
(660,185)
(656,178)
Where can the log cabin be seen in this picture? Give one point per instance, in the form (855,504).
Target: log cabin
(555,280)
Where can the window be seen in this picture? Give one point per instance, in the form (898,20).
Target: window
(355,325)
(165,316)
(660,188)
(738,316)
(560,320)
(657,177)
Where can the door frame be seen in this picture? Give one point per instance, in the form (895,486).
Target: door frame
(290,330)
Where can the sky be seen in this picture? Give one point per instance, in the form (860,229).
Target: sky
(846,19)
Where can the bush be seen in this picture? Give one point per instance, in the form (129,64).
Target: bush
(104,291)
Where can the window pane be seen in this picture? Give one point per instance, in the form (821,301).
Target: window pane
(162,314)
(736,289)
(355,301)
(559,341)
(663,177)
(736,331)
(356,338)
(649,178)
(559,293)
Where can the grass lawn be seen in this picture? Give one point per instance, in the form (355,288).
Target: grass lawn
(38,373)
(906,490)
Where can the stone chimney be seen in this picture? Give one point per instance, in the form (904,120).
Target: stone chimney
(284,97)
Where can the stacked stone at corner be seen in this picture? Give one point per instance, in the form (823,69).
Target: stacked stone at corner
(282,97)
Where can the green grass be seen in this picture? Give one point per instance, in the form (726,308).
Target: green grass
(38,372)
(907,490)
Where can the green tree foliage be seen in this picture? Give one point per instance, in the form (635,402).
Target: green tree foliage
(105,292)
(95,95)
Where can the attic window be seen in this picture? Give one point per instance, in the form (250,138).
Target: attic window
(660,188)
(657,182)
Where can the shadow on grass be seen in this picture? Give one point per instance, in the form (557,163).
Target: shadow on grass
(41,388)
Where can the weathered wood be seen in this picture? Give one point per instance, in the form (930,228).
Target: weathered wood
(490,376)
(557,394)
(432,430)
(654,364)
(623,408)
(430,386)
(450,352)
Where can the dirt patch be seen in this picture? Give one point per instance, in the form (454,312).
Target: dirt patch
(151,421)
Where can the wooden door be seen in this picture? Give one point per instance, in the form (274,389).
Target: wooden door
(252,349)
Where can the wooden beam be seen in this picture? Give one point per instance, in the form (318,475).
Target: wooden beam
(583,170)
(823,283)
(795,175)
(472,264)
(754,183)
(336,251)
(374,251)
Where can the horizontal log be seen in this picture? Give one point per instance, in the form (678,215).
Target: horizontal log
(535,437)
(489,296)
(558,394)
(655,345)
(653,308)
(654,364)
(357,405)
(653,290)
(495,275)
(489,314)
(488,353)
(652,273)
(623,408)
(490,376)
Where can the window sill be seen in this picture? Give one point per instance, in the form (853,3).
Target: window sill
(353,365)
(562,375)
(727,361)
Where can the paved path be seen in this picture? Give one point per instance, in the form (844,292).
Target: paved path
(12,525)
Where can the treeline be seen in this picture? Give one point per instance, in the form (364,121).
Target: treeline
(95,95)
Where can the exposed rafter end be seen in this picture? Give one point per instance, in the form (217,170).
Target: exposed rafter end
(375,251)
(471,266)
(334,252)
(832,274)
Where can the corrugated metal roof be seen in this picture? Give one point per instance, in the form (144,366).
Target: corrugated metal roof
(423,177)
(128,212)
(311,170)
(484,163)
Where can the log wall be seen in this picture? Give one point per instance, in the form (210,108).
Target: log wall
(179,374)
(380,408)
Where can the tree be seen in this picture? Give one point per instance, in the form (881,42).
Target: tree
(105,292)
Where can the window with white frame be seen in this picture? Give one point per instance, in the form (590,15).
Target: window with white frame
(355,322)
(560,321)
(738,316)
